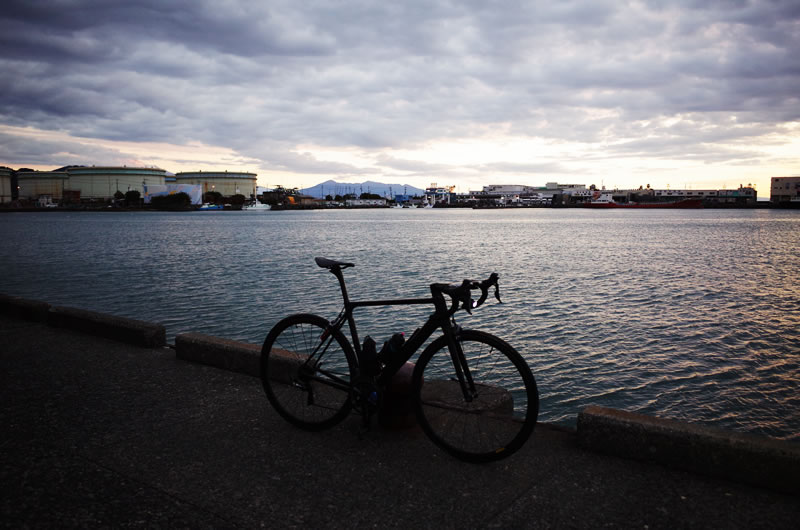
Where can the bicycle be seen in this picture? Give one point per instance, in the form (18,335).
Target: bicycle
(474,396)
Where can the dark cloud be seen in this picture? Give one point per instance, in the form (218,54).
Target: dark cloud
(56,153)
(264,78)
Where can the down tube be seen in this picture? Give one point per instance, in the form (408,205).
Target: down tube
(410,348)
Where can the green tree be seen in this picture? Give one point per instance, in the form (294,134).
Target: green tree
(238,199)
(176,201)
(212,197)
(132,197)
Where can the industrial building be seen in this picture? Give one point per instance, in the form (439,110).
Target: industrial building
(86,182)
(785,190)
(525,195)
(77,183)
(227,183)
(439,194)
(5,185)
(742,196)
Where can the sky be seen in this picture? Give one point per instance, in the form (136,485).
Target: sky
(466,93)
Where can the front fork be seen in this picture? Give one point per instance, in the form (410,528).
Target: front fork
(453,333)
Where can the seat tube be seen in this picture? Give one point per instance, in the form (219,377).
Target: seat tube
(336,271)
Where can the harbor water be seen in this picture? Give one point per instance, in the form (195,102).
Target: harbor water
(685,314)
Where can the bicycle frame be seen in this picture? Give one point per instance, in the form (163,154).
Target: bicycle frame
(314,375)
(439,319)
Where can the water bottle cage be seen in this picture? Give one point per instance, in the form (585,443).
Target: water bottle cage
(390,348)
(368,366)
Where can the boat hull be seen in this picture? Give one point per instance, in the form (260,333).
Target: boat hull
(687,204)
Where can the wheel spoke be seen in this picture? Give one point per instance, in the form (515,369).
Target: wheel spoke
(501,414)
(307,378)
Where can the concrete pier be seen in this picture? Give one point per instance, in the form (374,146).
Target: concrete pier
(104,433)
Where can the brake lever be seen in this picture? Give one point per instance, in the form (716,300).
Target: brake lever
(466,298)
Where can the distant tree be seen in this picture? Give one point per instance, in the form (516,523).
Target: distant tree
(176,201)
(212,197)
(369,196)
(238,199)
(132,197)
(119,195)
(328,197)
(338,198)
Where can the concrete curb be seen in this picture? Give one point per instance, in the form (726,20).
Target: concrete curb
(741,457)
(137,332)
(16,307)
(219,353)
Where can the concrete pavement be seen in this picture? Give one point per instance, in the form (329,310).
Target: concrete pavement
(99,433)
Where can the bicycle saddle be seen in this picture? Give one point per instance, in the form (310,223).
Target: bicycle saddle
(326,263)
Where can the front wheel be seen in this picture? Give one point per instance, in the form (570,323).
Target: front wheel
(488,420)
(306,371)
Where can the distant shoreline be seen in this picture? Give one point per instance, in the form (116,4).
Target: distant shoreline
(761,205)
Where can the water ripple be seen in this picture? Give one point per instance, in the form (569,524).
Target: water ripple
(690,315)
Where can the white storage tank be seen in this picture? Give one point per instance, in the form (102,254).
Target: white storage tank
(228,183)
(35,184)
(103,182)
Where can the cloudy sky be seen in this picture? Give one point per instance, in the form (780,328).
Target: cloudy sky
(466,93)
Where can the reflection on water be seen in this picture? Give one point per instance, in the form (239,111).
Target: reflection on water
(686,314)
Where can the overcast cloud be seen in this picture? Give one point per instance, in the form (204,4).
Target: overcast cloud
(383,90)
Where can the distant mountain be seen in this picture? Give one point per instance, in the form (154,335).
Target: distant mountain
(331,187)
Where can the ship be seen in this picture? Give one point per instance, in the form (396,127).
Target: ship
(605,200)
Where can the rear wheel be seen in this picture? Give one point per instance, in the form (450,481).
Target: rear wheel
(306,372)
(496,418)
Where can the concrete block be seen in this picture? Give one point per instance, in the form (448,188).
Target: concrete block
(220,353)
(741,457)
(137,332)
(16,307)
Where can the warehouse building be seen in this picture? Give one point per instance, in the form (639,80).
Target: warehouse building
(785,190)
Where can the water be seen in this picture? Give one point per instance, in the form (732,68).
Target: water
(691,315)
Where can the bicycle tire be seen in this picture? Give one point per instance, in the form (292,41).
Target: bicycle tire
(498,420)
(312,396)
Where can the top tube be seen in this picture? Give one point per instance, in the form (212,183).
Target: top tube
(401,301)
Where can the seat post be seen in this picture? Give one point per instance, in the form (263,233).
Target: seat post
(337,271)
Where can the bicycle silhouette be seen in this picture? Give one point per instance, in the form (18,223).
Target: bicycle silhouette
(473,394)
